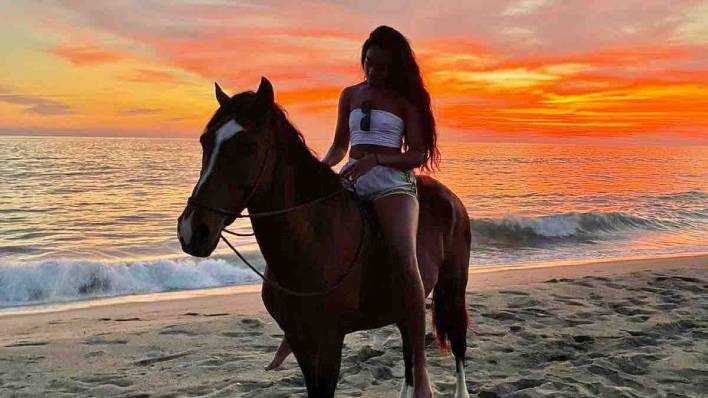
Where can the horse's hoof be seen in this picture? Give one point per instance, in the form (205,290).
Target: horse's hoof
(462,394)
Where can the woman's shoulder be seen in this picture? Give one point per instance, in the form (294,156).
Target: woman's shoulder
(350,92)
(354,89)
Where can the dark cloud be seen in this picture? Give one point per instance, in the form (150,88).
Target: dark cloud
(37,105)
(140,111)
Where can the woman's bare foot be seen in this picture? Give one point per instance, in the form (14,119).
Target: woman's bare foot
(280,355)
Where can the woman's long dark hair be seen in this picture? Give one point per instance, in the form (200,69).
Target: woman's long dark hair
(404,78)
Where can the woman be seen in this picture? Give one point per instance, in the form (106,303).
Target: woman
(389,111)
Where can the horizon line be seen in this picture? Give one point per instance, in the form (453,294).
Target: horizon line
(453,138)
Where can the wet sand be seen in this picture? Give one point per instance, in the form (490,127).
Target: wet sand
(629,328)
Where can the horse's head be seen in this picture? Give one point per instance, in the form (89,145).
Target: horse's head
(236,145)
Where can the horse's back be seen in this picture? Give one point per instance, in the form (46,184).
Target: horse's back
(443,227)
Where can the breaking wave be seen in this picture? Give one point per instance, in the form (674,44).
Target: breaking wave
(66,280)
(559,228)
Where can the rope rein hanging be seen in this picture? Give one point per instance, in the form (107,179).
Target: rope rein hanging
(269,213)
(272,281)
(336,284)
(339,280)
(347,183)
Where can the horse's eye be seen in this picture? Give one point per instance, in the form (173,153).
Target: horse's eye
(244,149)
(250,148)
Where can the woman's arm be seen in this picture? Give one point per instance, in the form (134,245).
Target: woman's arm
(415,155)
(341,133)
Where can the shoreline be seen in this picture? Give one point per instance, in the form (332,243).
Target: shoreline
(144,312)
(514,271)
(597,265)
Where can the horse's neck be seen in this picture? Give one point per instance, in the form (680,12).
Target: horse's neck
(296,244)
(295,183)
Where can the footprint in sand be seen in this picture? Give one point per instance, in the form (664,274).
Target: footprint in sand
(568,300)
(534,312)
(641,341)
(240,334)
(639,318)
(632,364)
(28,344)
(583,283)
(628,309)
(523,301)
(102,340)
(251,323)
(514,292)
(511,388)
(177,330)
(66,385)
(104,379)
(501,316)
(604,369)
(150,361)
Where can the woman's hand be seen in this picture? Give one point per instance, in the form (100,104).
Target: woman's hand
(360,167)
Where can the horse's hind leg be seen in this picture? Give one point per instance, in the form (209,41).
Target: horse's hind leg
(407,384)
(458,343)
(450,312)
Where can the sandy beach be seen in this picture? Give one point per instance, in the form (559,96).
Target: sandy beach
(628,328)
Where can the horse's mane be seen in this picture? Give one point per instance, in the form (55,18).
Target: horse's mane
(289,140)
(293,145)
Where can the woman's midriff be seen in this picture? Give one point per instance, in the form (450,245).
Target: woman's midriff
(359,151)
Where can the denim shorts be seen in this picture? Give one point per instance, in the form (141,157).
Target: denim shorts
(382,181)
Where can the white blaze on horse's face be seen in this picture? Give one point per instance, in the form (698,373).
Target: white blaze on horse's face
(225,132)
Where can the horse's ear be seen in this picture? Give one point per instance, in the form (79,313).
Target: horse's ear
(265,92)
(221,96)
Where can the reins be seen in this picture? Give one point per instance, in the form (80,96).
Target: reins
(192,201)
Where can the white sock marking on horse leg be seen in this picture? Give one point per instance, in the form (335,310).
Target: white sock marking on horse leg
(225,132)
(406,390)
(461,386)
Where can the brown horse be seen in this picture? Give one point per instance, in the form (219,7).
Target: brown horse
(328,270)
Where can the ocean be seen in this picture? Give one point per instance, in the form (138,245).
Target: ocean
(88,217)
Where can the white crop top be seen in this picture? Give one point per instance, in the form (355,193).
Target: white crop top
(386,129)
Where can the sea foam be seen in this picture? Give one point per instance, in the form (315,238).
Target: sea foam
(62,280)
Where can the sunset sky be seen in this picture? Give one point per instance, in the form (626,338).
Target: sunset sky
(508,70)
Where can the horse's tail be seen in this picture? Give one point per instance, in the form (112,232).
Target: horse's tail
(449,308)
(450,314)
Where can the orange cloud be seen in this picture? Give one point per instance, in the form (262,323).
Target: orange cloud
(87,55)
(151,76)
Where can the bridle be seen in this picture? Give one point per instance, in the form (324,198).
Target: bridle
(232,213)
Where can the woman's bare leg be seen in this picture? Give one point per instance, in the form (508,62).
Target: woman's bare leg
(398,216)
(280,355)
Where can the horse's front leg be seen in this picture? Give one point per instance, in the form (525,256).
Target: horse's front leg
(319,359)
(329,360)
